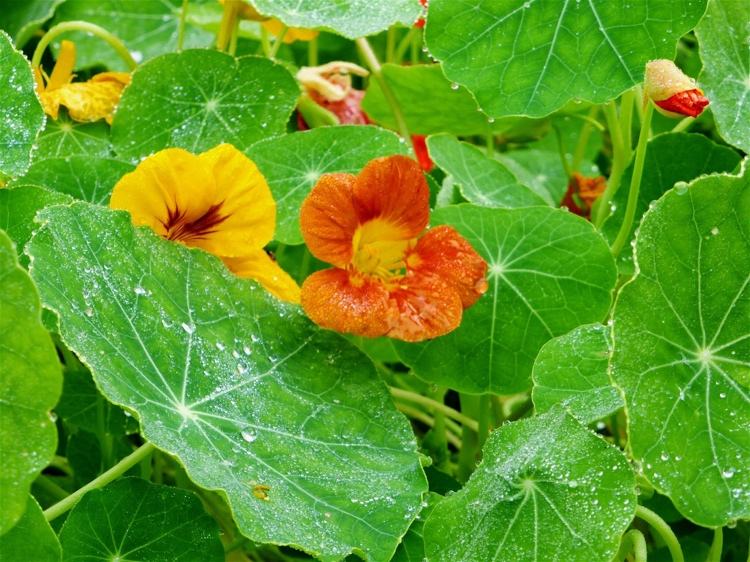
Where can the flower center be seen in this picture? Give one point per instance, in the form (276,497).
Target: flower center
(179,229)
(379,249)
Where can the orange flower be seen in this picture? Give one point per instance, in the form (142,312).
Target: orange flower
(674,93)
(218,201)
(387,280)
(86,101)
(582,193)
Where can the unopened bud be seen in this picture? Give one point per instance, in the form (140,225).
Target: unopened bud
(673,92)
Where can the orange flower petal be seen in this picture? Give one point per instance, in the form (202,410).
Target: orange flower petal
(423,307)
(444,253)
(332,301)
(394,190)
(259,266)
(328,219)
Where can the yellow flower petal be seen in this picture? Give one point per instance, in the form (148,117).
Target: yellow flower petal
(87,101)
(62,73)
(247,203)
(275,27)
(260,267)
(170,183)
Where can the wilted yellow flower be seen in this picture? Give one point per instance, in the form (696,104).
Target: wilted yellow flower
(218,201)
(86,101)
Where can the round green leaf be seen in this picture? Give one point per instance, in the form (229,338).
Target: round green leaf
(424,93)
(293,163)
(18,206)
(547,489)
(147,28)
(571,371)
(481,180)
(21,19)
(65,137)
(133,519)
(724,38)
(289,421)
(82,177)
(350,18)
(198,99)
(530,57)
(31,539)
(682,348)
(21,115)
(30,384)
(549,271)
(670,158)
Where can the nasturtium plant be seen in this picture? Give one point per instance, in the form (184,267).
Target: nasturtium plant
(380,280)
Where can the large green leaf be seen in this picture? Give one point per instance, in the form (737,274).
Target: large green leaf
(547,489)
(682,348)
(65,137)
(198,99)
(725,51)
(293,163)
(531,57)
(424,94)
(288,420)
(549,271)
(83,177)
(21,19)
(18,206)
(147,27)
(32,539)
(481,180)
(350,18)
(571,371)
(21,115)
(133,519)
(29,385)
(670,158)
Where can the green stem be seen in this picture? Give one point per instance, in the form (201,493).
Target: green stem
(683,125)
(102,480)
(633,541)
(467,457)
(86,27)
(665,531)
(714,555)
(435,405)
(403,45)
(372,61)
(583,138)
(429,421)
(483,430)
(390,44)
(312,52)
(635,183)
(561,150)
(627,103)
(277,43)
(181,26)
(439,429)
(234,35)
(490,144)
(46,484)
(497,410)
(265,42)
(601,208)
(416,41)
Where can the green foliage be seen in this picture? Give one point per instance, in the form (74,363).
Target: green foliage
(30,387)
(31,538)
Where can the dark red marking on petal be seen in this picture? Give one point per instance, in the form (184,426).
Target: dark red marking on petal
(178,229)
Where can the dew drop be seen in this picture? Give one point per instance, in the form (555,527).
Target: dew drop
(249,437)
(454,86)
(680,188)
(728,473)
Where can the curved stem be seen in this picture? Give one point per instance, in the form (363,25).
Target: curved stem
(102,480)
(683,125)
(714,555)
(665,531)
(434,404)
(277,43)
(419,415)
(627,102)
(635,183)
(583,137)
(618,164)
(377,72)
(181,27)
(633,541)
(87,27)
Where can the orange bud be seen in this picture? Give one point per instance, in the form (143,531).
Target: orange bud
(673,92)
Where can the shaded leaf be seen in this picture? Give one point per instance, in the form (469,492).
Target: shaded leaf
(31,539)
(21,19)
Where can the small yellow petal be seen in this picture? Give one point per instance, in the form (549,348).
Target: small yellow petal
(260,267)
(246,202)
(63,71)
(172,181)
(275,27)
(87,101)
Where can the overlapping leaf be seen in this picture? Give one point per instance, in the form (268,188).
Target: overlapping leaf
(31,539)
(21,19)
(571,371)
(21,115)
(64,137)
(682,348)
(549,271)
(725,51)
(547,489)
(30,386)
(290,421)
(530,57)
(198,99)
(350,18)
(133,519)
(293,163)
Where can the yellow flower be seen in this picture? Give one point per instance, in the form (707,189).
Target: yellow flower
(275,28)
(218,201)
(86,101)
